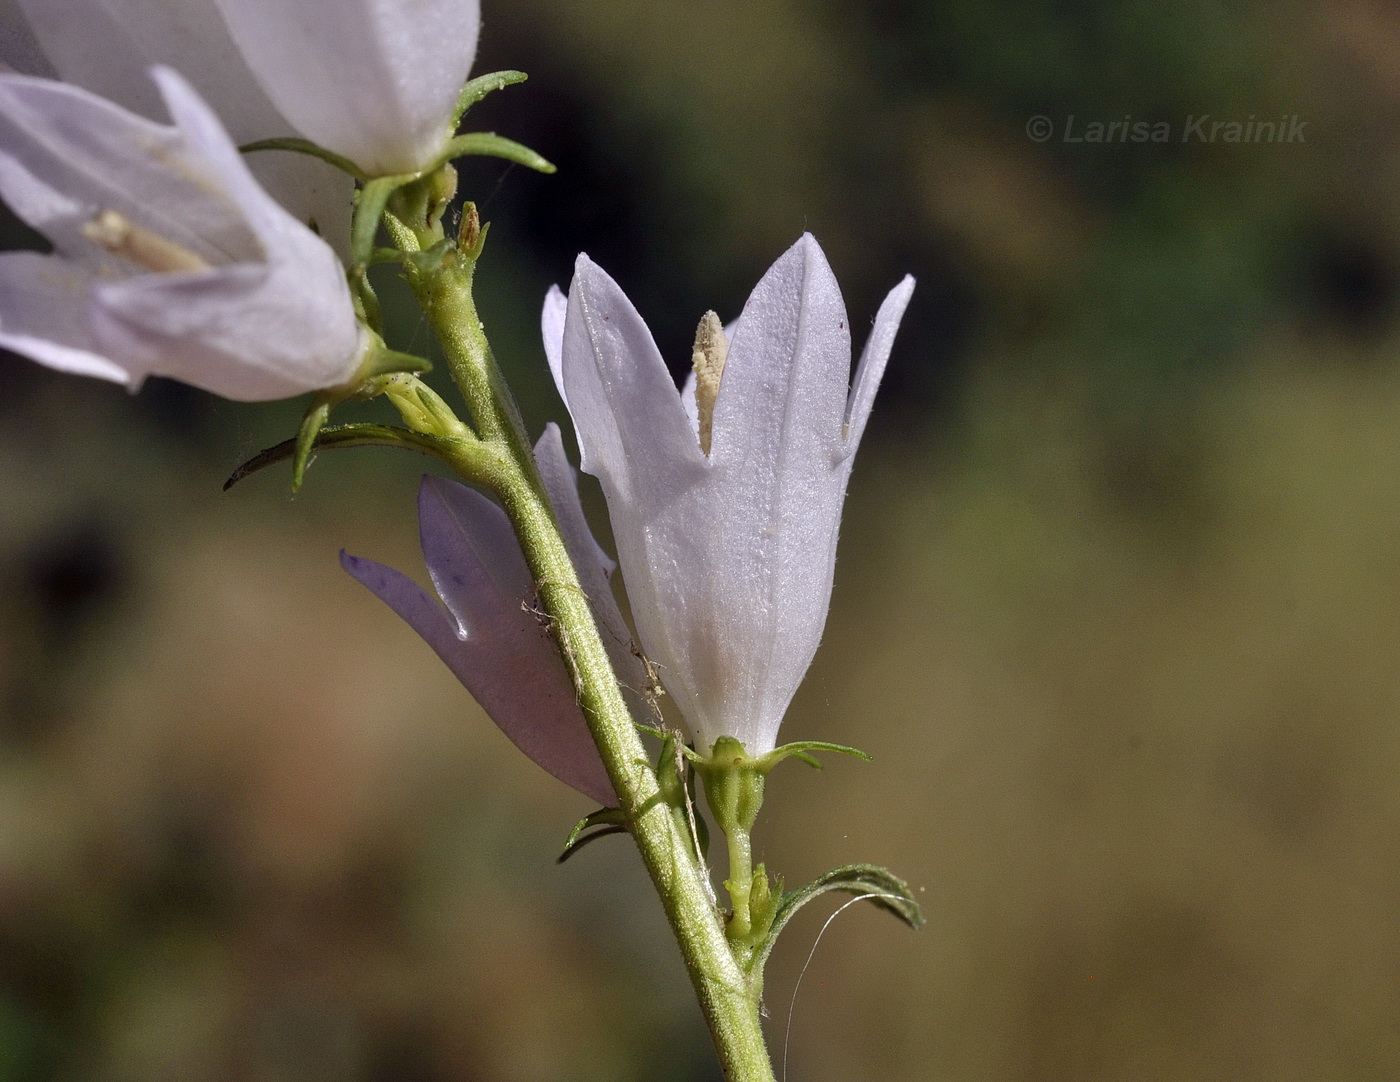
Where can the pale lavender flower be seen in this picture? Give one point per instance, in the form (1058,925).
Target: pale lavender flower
(169,259)
(727,550)
(491,634)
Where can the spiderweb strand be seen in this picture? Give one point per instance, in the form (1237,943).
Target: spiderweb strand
(792,1004)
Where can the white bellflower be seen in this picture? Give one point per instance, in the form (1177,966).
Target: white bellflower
(725,499)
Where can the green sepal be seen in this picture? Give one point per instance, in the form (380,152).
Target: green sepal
(478,88)
(386,362)
(765,900)
(356,435)
(307,147)
(607,820)
(379,368)
(311,425)
(427,261)
(800,750)
(365,300)
(370,202)
(882,887)
(492,145)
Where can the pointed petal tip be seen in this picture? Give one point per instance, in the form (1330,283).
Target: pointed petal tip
(808,247)
(588,274)
(552,434)
(873,360)
(180,97)
(807,253)
(444,490)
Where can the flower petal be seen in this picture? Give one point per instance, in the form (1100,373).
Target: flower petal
(556,307)
(689,404)
(595,569)
(776,507)
(622,399)
(785,380)
(374,80)
(43,315)
(872,362)
(66,154)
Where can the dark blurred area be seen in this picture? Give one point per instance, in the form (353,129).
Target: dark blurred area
(1117,610)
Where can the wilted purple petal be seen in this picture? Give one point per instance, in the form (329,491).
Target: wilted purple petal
(490,636)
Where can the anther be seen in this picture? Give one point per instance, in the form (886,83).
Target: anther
(707,358)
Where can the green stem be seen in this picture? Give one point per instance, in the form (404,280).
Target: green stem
(726,997)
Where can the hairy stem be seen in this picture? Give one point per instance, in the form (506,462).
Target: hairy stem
(726,997)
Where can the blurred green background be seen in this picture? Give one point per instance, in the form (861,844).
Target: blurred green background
(1117,607)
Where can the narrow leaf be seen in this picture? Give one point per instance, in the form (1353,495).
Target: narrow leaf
(357,435)
(608,820)
(883,888)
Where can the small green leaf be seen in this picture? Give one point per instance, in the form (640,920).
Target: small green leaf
(608,820)
(358,435)
(882,887)
(478,88)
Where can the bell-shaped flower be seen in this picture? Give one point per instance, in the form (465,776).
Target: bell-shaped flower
(109,47)
(725,499)
(491,634)
(376,81)
(169,259)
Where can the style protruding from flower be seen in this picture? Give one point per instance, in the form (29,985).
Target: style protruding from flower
(169,258)
(727,544)
(490,634)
